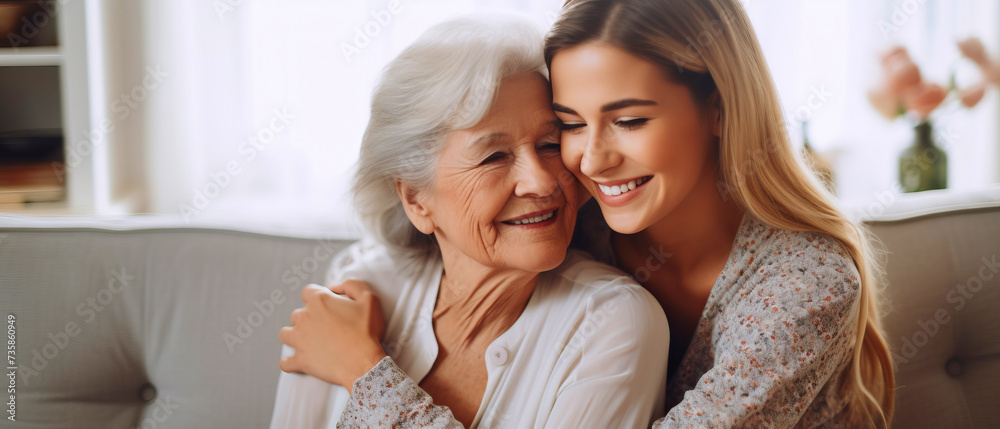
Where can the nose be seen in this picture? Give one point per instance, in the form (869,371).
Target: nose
(599,155)
(534,178)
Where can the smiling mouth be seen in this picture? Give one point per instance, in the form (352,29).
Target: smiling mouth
(623,188)
(532,218)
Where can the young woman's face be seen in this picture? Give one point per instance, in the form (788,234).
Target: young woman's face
(637,141)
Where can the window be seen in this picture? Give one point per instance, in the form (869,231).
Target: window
(263,103)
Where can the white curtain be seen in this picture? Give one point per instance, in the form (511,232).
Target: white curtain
(261,104)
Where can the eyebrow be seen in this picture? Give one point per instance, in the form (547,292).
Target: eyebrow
(490,139)
(612,106)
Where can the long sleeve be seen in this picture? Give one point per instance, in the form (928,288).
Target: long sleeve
(617,380)
(777,346)
(387,397)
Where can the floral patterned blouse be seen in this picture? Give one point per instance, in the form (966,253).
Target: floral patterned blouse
(774,341)
(775,338)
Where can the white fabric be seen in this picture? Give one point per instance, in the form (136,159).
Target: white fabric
(589,350)
(231,63)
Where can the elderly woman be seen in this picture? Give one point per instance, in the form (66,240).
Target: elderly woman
(463,190)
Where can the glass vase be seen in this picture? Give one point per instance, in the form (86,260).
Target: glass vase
(924,165)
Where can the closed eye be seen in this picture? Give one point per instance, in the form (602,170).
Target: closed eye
(493,158)
(632,124)
(563,126)
(549,147)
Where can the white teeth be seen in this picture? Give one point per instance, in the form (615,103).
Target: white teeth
(535,219)
(621,189)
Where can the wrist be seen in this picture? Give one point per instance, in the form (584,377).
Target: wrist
(374,358)
(371,360)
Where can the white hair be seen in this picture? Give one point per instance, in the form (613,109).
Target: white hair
(444,81)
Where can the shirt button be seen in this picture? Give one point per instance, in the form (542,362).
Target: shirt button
(498,356)
(147,393)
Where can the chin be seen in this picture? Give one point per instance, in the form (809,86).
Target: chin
(543,259)
(623,222)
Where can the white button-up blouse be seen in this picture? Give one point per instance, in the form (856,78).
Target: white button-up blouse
(589,350)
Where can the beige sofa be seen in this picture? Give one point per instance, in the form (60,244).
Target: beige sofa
(153,323)
(943,272)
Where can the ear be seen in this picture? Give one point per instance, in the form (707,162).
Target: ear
(418,213)
(715,113)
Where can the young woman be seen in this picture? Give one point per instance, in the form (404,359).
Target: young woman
(671,121)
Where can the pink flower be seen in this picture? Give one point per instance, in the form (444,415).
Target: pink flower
(923,98)
(899,71)
(973,94)
(883,103)
(899,75)
(972,48)
(902,89)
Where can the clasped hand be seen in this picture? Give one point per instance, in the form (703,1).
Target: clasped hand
(336,337)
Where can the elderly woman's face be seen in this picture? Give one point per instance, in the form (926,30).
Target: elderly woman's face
(501,194)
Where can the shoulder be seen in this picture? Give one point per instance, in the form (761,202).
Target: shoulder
(802,266)
(580,266)
(389,272)
(598,290)
(592,280)
(366,258)
(799,283)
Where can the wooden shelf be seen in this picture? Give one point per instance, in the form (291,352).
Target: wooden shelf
(46,85)
(24,183)
(49,85)
(38,208)
(32,56)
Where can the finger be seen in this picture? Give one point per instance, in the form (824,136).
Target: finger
(289,364)
(354,289)
(312,290)
(297,315)
(287,336)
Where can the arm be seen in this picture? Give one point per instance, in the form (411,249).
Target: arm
(306,396)
(775,351)
(390,397)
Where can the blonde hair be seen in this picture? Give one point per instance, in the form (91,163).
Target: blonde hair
(710,47)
